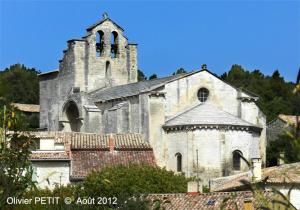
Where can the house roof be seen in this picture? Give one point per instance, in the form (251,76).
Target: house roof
(85,141)
(50,156)
(86,161)
(213,201)
(132,89)
(289,119)
(206,114)
(27,107)
(283,174)
(121,141)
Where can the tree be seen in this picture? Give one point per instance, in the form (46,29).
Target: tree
(288,143)
(141,76)
(15,149)
(19,84)
(179,71)
(153,76)
(126,182)
(275,94)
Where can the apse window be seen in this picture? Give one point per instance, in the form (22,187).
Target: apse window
(203,94)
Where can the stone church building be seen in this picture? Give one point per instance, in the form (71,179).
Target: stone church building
(195,122)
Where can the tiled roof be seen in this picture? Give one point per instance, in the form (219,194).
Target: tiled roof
(290,119)
(27,107)
(95,141)
(49,155)
(206,114)
(287,173)
(212,201)
(132,89)
(121,141)
(85,161)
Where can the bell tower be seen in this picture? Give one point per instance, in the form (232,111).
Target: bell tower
(109,59)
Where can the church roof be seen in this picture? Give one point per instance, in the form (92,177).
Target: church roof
(132,89)
(206,114)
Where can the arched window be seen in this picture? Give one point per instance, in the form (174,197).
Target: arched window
(179,161)
(203,94)
(236,160)
(114,44)
(99,43)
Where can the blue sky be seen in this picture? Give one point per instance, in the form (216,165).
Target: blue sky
(261,35)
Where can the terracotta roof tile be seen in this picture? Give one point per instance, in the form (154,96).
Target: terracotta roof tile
(212,201)
(39,156)
(287,173)
(27,107)
(95,141)
(290,119)
(85,161)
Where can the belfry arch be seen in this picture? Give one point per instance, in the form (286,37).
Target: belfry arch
(72,115)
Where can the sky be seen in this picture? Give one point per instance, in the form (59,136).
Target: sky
(262,35)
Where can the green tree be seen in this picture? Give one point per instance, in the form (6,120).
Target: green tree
(15,149)
(19,84)
(124,182)
(141,76)
(153,76)
(275,94)
(179,71)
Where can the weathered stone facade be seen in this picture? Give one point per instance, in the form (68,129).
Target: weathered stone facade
(190,131)
(88,64)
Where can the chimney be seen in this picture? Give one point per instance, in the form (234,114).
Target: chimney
(256,169)
(111,143)
(193,188)
(280,160)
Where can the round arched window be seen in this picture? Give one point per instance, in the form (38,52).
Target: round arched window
(203,94)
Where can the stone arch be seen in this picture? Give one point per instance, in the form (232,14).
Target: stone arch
(72,115)
(114,43)
(99,43)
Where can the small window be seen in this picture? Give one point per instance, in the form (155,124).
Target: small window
(179,162)
(236,160)
(203,94)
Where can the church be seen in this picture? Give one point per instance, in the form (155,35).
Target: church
(194,122)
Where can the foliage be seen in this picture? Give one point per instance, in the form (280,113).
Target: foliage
(276,95)
(141,76)
(127,181)
(129,184)
(179,71)
(19,84)
(288,144)
(15,166)
(153,76)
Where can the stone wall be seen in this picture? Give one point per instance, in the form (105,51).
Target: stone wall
(82,70)
(214,147)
